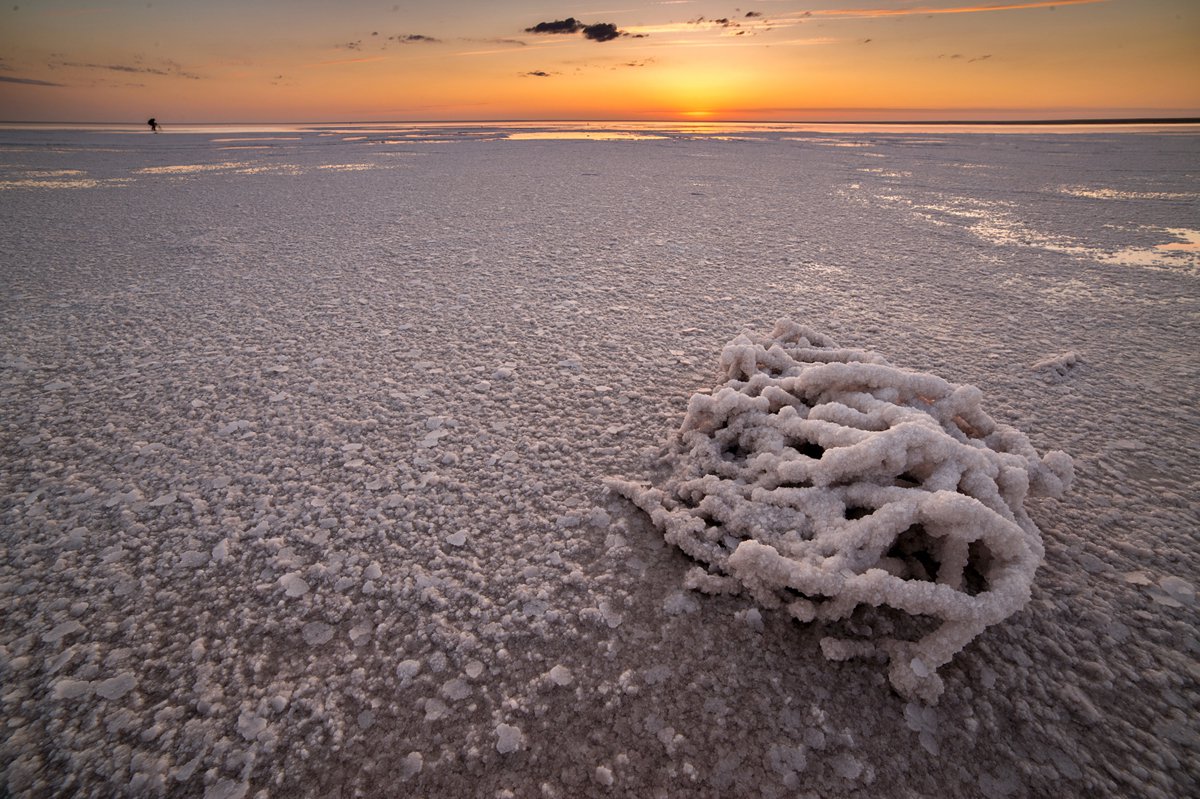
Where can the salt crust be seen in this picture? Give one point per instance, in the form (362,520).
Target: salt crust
(819,479)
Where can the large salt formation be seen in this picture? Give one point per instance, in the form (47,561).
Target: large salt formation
(820,479)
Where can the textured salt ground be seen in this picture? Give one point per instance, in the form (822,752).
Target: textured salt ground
(302,466)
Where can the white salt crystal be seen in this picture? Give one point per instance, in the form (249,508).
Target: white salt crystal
(508,739)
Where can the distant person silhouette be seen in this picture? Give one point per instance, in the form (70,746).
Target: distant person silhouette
(153,123)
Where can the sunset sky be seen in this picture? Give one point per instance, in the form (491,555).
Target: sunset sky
(358,60)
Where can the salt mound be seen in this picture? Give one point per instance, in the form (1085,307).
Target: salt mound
(820,479)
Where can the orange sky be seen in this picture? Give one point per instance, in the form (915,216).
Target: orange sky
(264,61)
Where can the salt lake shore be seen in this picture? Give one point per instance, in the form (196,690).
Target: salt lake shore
(319,446)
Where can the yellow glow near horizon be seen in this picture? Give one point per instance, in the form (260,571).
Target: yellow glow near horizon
(476,60)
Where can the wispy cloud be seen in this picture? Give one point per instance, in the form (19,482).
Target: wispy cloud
(171,69)
(414,38)
(28,81)
(868,13)
(336,61)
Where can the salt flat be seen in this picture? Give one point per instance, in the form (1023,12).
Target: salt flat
(305,436)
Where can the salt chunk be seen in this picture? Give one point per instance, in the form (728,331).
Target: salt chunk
(407,669)
(1178,589)
(560,675)
(508,739)
(185,772)
(456,689)
(373,572)
(474,669)
(61,631)
(603,776)
(847,767)
(679,603)
(72,689)
(361,633)
(411,766)
(365,720)
(753,619)
(919,668)
(294,584)
(221,550)
(193,559)
(457,539)
(226,789)
(316,633)
(250,725)
(116,687)
(163,500)
(435,709)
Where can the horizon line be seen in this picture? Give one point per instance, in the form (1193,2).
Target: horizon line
(1142,120)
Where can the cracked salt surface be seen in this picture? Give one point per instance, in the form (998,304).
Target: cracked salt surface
(204,593)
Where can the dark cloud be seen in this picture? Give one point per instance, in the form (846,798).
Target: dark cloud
(414,38)
(753,14)
(568,25)
(351,45)
(601,32)
(724,22)
(537,73)
(980,58)
(28,81)
(597,32)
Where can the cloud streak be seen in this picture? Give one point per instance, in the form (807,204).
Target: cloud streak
(871,13)
(171,71)
(28,81)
